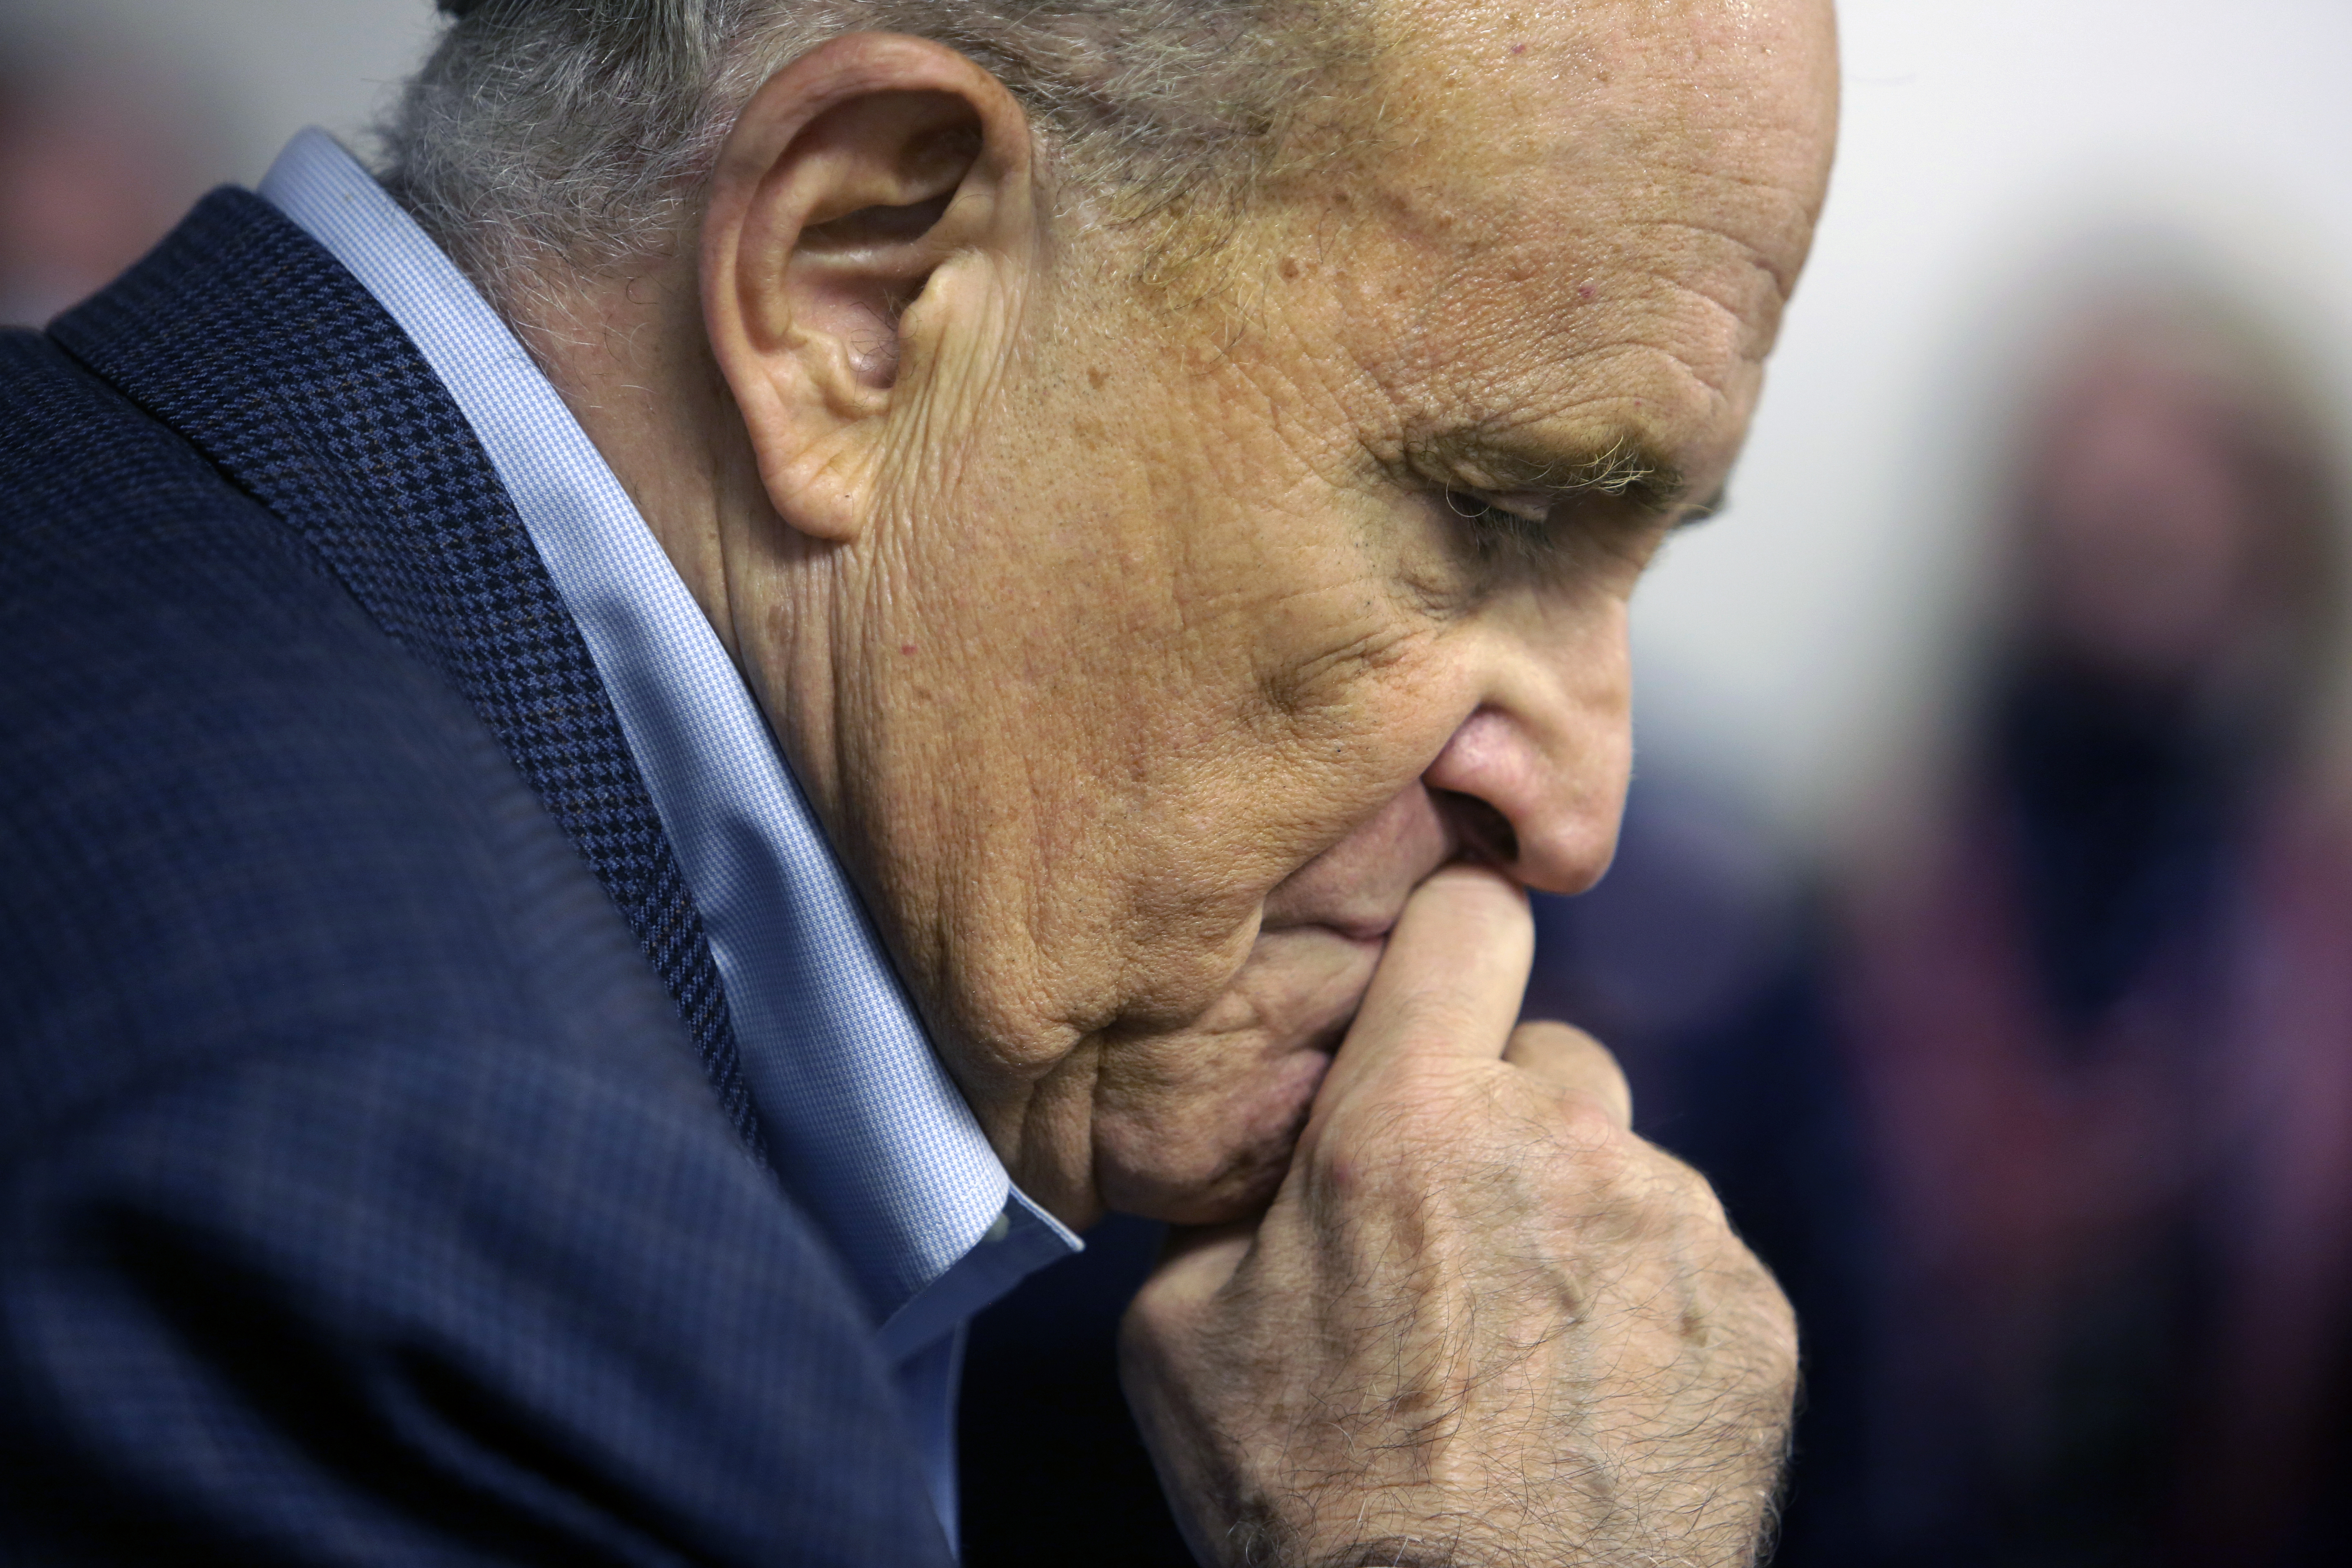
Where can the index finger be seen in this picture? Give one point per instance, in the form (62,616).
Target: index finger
(1450,983)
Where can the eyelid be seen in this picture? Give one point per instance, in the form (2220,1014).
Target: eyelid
(1526,506)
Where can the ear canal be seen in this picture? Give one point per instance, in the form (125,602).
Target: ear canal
(869,246)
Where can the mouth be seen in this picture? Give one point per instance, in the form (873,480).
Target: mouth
(1197,1125)
(1317,972)
(1356,891)
(1206,1133)
(1371,933)
(1362,927)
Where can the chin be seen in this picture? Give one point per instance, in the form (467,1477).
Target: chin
(1196,1127)
(1192,1170)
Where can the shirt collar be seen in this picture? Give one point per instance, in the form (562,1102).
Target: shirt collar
(864,1124)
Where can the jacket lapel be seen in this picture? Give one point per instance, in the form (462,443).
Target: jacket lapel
(246,337)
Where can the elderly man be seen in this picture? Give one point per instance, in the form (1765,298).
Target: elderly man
(1060,566)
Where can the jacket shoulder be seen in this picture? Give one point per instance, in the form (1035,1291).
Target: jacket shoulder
(230,805)
(360,1198)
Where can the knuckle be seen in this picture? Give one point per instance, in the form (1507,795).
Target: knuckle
(1408,1141)
(1422,1105)
(1587,1119)
(1695,1194)
(1550,1035)
(1677,1187)
(1645,1193)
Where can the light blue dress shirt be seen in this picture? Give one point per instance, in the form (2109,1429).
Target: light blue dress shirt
(867,1130)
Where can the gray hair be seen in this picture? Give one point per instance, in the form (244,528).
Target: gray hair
(579,132)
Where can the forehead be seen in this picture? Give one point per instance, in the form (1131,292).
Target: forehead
(1575,228)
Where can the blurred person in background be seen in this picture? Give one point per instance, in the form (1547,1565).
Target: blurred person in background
(2046,1125)
(2101,1010)
(100,152)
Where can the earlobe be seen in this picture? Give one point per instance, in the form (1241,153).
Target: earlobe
(851,180)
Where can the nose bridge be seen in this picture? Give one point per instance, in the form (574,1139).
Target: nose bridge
(1549,748)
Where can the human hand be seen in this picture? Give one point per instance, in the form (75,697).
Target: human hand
(1481,1323)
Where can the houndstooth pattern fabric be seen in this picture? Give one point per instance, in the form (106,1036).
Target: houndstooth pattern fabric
(361,1200)
(376,466)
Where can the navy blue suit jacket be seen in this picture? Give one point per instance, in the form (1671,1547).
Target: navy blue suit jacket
(361,1196)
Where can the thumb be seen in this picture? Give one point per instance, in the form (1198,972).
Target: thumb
(1449,984)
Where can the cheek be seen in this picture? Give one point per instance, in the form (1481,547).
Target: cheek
(1196,1124)
(1263,786)
(1341,734)
(1205,1146)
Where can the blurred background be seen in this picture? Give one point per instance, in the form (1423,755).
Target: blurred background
(1983,924)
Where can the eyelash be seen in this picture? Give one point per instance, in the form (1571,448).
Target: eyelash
(1494,525)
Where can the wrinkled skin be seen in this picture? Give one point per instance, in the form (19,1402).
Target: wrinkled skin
(1482,1322)
(1147,650)
(1156,629)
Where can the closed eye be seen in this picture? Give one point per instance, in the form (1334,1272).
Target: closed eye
(1524,508)
(1519,522)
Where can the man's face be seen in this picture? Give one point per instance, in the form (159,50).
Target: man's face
(1225,612)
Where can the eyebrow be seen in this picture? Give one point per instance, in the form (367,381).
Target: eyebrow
(1625,467)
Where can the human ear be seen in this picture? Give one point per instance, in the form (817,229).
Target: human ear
(867,218)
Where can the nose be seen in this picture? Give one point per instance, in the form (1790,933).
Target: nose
(1535,783)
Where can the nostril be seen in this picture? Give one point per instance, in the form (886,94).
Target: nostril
(1484,834)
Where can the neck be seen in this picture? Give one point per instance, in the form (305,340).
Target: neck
(630,360)
(627,357)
